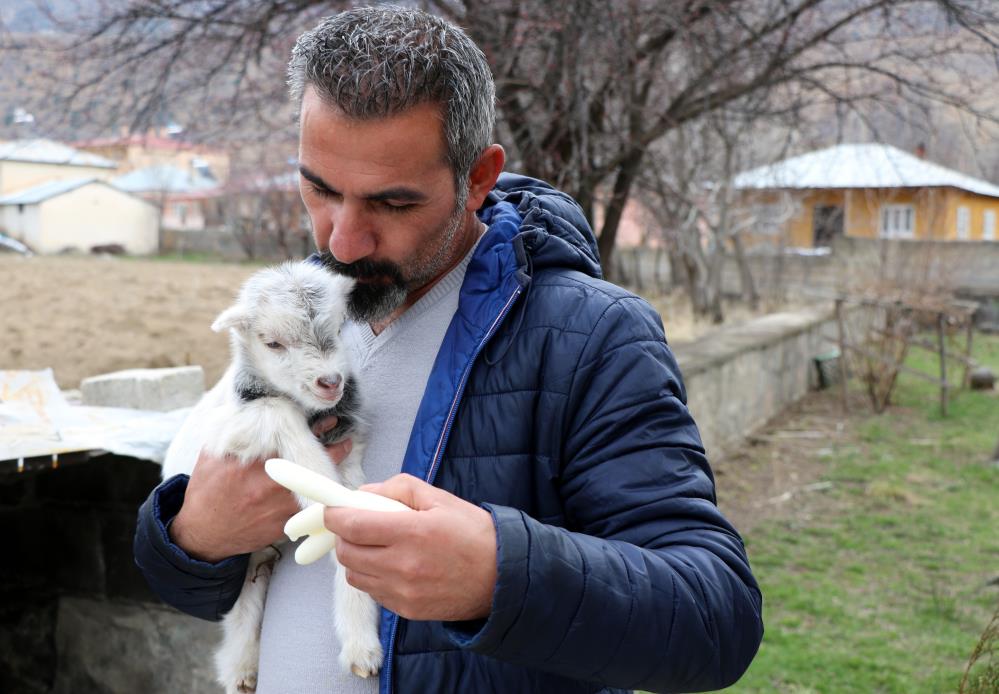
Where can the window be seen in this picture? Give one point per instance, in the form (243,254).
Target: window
(963,222)
(989,226)
(898,221)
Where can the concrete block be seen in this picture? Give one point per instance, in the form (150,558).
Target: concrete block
(146,389)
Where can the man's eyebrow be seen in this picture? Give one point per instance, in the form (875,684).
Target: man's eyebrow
(397,194)
(313,178)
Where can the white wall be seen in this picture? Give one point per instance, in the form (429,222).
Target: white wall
(20,222)
(96,214)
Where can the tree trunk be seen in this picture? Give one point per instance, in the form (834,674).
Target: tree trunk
(749,292)
(714,288)
(626,176)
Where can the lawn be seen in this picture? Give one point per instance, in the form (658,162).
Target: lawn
(887,584)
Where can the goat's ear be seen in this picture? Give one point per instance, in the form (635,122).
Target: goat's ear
(233,317)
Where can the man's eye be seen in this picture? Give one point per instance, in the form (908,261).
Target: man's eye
(403,207)
(323,192)
(275,345)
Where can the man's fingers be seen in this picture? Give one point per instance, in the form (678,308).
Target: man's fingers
(321,426)
(374,528)
(339,451)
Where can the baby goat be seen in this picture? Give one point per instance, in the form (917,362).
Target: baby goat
(289,369)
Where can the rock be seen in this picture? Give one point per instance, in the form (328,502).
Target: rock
(146,389)
(982,378)
(110,646)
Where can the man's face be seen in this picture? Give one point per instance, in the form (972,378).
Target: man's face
(381,198)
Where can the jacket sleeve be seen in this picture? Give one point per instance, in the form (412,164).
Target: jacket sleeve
(651,587)
(196,587)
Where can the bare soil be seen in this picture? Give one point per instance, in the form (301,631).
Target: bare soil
(775,472)
(84,316)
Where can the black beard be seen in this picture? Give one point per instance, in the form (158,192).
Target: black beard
(380,290)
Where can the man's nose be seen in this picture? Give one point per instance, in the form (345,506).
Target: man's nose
(352,237)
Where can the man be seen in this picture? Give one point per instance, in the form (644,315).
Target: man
(564,536)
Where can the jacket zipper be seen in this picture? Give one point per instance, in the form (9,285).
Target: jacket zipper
(432,472)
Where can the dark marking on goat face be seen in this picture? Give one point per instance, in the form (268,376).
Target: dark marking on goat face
(249,388)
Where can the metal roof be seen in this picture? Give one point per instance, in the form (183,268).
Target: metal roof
(40,193)
(860,166)
(49,152)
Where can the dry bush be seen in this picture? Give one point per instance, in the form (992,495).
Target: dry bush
(985,679)
(905,291)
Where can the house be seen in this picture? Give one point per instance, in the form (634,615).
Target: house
(873,191)
(79,214)
(28,163)
(187,199)
(141,151)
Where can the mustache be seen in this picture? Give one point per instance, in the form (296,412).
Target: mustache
(363,269)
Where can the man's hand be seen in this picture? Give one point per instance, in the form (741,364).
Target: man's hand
(338,451)
(230,508)
(437,562)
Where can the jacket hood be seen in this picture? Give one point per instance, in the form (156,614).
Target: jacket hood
(554,232)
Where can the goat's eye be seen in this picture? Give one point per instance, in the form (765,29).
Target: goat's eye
(275,345)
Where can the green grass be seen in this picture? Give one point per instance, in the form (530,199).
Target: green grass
(885,589)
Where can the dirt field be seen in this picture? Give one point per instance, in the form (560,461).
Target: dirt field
(85,316)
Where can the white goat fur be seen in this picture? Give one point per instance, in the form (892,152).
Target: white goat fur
(261,407)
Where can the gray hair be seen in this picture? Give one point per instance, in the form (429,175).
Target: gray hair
(375,62)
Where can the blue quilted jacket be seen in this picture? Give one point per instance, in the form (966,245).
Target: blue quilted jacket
(554,403)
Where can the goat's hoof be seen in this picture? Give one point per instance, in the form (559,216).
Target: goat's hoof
(247,684)
(363,662)
(362,673)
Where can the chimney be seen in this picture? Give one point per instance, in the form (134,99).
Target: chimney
(921,150)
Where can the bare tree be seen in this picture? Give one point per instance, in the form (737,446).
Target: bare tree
(262,205)
(688,178)
(586,91)
(585,87)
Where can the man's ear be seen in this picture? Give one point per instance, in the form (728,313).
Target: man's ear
(233,317)
(483,175)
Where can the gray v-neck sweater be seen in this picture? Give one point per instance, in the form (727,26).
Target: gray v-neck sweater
(298,646)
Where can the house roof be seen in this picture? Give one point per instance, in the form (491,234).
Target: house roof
(40,193)
(163,178)
(45,191)
(50,152)
(147,140)
(860,166)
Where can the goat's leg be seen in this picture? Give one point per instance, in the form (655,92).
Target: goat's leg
(355,613)
(237,658)
(356,622)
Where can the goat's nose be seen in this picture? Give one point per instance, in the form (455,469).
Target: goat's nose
(329,382)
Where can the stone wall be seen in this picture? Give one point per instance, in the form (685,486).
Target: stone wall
(970,268)
(75,615)
(738,378)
